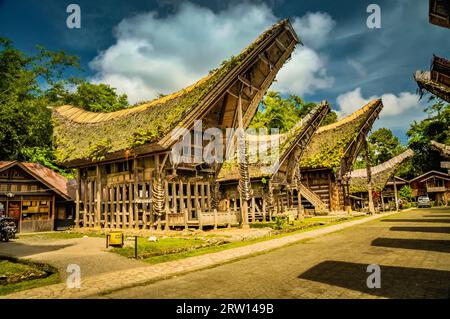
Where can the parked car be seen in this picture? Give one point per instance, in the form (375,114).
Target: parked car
(8,228)
(423,201)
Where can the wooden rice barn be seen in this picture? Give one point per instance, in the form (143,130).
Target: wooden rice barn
(378,178)
(330,157)
(126,174)
(273,170)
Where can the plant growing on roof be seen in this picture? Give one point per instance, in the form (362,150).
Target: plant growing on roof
(98,151)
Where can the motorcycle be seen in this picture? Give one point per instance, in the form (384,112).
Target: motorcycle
(8,228)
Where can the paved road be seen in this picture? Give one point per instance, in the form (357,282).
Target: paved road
(411,248)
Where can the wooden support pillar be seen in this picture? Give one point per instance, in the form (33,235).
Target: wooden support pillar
(112,212)
(395,195)
(124,207)
(77,200)
(215,218)
(382,201)
(188,197)
(105,193)
(117,209)
(264,209)
(136,195)
(144,206)
(253,209)
(130,206)
(369,178)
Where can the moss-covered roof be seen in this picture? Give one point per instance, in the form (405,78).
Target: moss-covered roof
(268,165)
(330,143)
(424,81)
(81,135)
(380,174)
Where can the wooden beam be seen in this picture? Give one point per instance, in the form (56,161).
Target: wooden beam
(77,200)
(247,83)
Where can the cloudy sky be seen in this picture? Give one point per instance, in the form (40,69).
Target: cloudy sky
(144,48)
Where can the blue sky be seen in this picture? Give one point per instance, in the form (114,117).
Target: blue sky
(148,47)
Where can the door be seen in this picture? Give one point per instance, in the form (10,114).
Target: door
(14,212)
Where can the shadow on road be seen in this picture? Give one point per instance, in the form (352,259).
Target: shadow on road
(15,249)
(396,282)
(439,230)
(445,221)
(418,244)
(448,215)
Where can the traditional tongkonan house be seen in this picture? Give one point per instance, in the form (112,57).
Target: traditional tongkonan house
(330,157)
(36,197)
(127,176)
(437,81)
(273,170)
(383,194)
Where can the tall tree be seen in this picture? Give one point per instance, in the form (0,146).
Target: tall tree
(30,85)
(281,113)
(96,98)
(435,127)
(383,145)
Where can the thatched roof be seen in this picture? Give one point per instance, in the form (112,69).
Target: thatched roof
(437,81)
(82,137)
(337,143)
(442,148)
(439,13)
(268,165)
(380,173)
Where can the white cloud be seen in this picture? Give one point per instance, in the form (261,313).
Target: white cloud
(314,28)
(394,105)
(154,54)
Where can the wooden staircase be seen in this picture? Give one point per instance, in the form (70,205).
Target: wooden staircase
(312,198)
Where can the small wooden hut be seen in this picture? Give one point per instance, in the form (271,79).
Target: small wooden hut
(274,176)
(330,157)
(434,184)
(379,177)
(37,198)
(127,177)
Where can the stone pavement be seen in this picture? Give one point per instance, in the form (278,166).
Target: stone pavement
(88,252)
(103,283)
(411,248)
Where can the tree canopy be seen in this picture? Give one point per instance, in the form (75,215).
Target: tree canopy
(276,112)
(30,85)
(435,127)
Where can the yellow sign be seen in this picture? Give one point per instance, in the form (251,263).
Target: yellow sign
(114,239)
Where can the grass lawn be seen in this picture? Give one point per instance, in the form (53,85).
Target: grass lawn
(58,235)
(169,249)
(164,246)
(20,275)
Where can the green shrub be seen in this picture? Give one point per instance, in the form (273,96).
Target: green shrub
(279,222)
